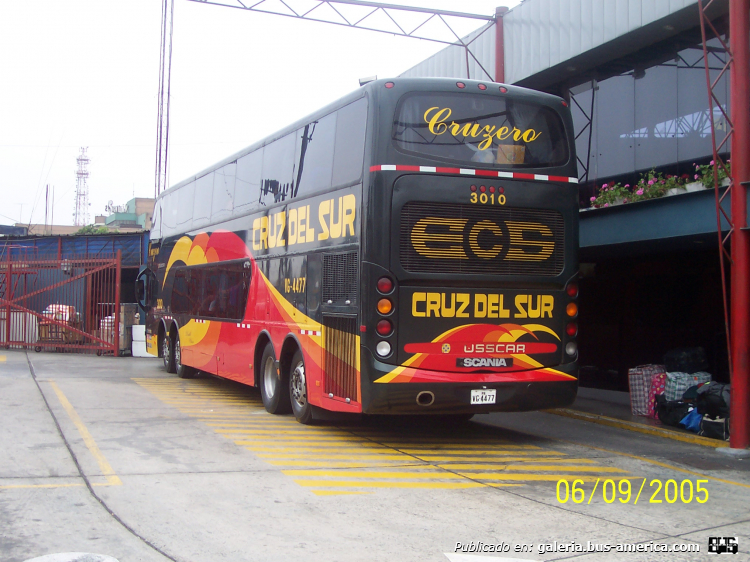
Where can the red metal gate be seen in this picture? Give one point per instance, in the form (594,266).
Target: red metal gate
(53,303)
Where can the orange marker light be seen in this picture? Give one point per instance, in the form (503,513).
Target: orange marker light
(571,309)
(384,306)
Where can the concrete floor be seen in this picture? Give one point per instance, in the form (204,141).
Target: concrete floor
(117,457)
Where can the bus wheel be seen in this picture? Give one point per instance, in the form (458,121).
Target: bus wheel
(272,387)
(167,355)
(183,371)
(298,390)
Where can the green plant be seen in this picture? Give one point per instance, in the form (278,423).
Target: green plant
(650,186)
(93,229)
(704,173)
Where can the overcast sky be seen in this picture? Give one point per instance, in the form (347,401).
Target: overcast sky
(84,73)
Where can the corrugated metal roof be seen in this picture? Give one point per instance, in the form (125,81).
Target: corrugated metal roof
(451,61)
(540,34)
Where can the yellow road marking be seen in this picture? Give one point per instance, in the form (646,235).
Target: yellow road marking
(337,493)
(365,484)
(358,457)
(345,464)
(438,475)
(104,466)
(540,467)
(639,428)
(2,358)
(664,465)
(470,466)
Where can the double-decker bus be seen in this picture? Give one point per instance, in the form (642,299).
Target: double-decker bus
(409,249)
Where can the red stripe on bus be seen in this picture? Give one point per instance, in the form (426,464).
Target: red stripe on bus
(483,173)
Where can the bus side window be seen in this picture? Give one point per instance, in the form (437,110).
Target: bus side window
(349,152)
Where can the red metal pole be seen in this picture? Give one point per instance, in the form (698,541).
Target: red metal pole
(116,329)
(499,45)
(739,32)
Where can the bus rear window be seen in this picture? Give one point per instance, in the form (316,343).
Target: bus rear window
(481,129)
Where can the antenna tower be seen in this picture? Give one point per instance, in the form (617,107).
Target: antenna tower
(81,215)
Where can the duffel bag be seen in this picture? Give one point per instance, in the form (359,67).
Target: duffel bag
(678,383)
(713,400)
(671,412)
(714,428)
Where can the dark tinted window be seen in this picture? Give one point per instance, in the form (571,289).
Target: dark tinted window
(213,291)
(480,129)
(278,170)
(351,125)
(247,182)
(315,168)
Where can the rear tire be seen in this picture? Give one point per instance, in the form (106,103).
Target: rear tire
(273,384)
(298,390)
(167,353)
(182,370)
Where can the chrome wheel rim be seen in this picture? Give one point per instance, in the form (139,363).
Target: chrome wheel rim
(165,349)
(177,355)
(299,389)
(270,377)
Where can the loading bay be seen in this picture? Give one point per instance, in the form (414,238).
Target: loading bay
(117,457)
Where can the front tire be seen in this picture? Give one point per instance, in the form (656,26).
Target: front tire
(182,370)
(272,384)
(167,353)
(298,390)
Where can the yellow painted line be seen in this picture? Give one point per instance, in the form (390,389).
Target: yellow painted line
(2,358)
(539,477)
(470,447)
(472,466)
(346,464)
(314,432)
(437,475)
(104,466)
(329,449)
(639,428)
(665,465)
(365,484)
(543,467)
(333,456)
(264,438)
(337,493)
(478,451)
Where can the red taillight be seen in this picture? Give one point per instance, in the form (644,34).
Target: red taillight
(389,85)
(503,90)
(572,290)
(385,285)
(460,85)
(473,187)
(384,327)
(492,189)
(571,329)
(565,104)
(482,87)
(482,188)
(501,189)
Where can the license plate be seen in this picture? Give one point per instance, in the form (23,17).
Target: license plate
(484,396)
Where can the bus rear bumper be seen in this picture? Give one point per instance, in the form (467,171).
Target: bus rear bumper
(455,397)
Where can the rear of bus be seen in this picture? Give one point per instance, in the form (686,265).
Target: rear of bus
(469,250)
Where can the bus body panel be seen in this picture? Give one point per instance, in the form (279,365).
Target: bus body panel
(314,262)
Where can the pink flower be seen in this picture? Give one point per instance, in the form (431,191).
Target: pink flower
(624,200)
(662,181)
(651,182)
(696,176)
(627,185)
(639,192)
(606,204)
(712,163)
(593,199)
(604,185)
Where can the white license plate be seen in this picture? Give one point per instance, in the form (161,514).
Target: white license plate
(484,396)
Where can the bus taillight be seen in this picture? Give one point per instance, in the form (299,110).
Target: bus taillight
(572,309)
(571,329)
(572,290)
(385,285)
(384,328)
